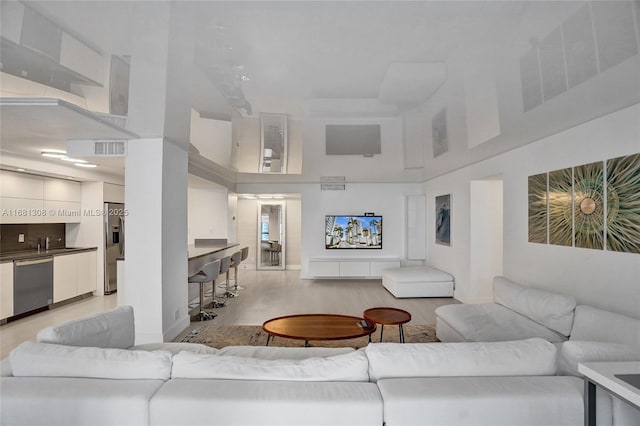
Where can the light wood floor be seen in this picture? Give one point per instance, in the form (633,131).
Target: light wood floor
(269,294)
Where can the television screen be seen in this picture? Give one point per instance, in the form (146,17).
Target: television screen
(353,232)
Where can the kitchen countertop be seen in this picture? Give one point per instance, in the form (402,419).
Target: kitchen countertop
(195,252)
(10,256)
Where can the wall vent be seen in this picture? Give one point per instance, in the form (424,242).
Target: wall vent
(96,148)
(112,148)
(332,186)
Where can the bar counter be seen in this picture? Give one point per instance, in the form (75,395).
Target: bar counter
(199,255)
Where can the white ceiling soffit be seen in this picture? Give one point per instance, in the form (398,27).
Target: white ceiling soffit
(348,108)
(412,83)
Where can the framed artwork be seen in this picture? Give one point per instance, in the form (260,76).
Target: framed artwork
(588,206)
(538,208)
(623,204)
(439,133)
(443,220)
(560,207)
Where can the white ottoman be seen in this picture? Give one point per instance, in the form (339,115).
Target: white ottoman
(418,281)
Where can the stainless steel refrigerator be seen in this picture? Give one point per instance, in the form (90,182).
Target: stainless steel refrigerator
(114,215)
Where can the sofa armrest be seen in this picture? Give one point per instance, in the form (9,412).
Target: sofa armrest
(575,351)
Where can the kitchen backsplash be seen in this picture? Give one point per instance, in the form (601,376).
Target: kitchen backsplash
(34,234)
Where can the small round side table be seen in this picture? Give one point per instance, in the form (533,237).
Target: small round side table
(388,316)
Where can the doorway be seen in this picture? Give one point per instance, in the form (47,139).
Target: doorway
(271,236)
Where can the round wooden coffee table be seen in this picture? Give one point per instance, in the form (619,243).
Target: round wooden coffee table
(317,327)
(388,316)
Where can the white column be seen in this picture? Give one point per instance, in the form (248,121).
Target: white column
(156,171)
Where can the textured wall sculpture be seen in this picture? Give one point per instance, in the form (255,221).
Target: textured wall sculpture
(594,206)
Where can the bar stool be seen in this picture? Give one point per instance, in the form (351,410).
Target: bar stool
(225,264)
(236,259)
(209,272)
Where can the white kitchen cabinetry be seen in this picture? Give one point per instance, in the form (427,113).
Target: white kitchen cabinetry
(61,190)
(6,290)
(73,275)
(86,272)
(21,185)
(350,268)
(65,280)
(35,199)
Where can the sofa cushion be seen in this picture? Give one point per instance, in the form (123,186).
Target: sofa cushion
(488,322)
(113,329)
(46,359)
(552,310)
(63,401)
(482,401)
(574,352)
(346,367)
(598,325)
(256,403)
(515,358)
(275,352)
(176,347)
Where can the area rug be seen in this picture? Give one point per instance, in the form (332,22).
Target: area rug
(219,336)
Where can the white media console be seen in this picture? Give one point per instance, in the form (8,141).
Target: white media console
(324,267)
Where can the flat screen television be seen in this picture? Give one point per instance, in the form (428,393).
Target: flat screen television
(353,232)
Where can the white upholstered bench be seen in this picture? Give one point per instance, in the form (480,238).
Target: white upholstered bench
(418,281)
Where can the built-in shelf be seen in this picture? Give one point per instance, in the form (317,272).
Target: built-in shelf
(46,119)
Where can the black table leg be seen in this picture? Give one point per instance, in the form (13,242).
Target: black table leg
(401,333)
(589,403)
(381,331)
(268,339)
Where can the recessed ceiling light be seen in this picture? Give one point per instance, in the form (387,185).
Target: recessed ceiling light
(85,164)
(73,160)
(20,170)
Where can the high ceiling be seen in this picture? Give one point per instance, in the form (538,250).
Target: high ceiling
(288,55)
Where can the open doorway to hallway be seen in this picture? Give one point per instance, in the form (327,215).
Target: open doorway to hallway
(273,244)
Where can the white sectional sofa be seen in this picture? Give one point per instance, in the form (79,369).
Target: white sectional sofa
(60,381)
(582,333)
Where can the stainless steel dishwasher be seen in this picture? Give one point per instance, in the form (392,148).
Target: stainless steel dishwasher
(32,284)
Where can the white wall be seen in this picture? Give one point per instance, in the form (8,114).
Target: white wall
(207,213)
(600,278)
(387,200)
(389,165)
(212,138)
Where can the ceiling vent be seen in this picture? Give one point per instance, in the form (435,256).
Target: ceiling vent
(96,148)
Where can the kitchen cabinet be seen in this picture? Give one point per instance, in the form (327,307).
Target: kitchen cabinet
(6,290)
(36,199)
(21,185)
(61,190)
(86,272)
(73,275)
(65,280)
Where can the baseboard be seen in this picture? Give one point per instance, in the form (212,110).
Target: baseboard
(176,328)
